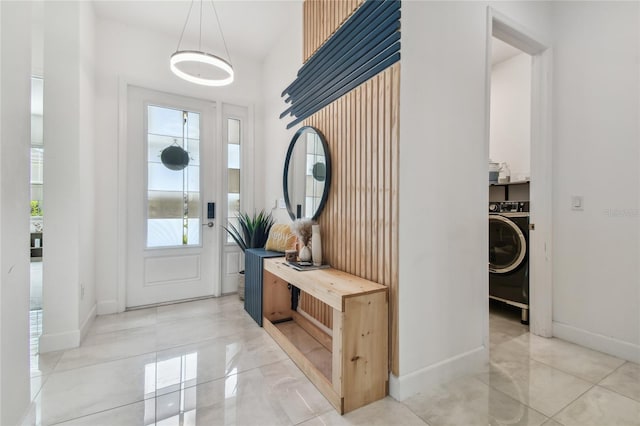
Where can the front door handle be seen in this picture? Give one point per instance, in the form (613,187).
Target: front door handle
(209,224)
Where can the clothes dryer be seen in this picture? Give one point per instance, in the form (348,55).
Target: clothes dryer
(509,254)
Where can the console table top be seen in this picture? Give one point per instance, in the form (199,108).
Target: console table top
(329,285)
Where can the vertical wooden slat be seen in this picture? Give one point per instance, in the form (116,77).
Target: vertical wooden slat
(373,181)
(369,178)
(305,31)
(363,182)
(381,174)
(395,152)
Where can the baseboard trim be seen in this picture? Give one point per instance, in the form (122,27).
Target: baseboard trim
(88,321)
(107,307)
(427,378)
(59,341)
(598,342)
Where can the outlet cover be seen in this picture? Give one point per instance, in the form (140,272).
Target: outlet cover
(577,202)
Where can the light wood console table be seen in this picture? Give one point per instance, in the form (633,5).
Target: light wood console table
(349,364)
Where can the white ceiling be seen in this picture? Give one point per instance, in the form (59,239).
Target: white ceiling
(250,27)
(501,51)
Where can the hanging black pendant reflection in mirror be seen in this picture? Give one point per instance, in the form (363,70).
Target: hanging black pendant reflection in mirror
(174,157)
(319,172)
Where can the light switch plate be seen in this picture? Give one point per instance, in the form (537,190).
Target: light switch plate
(281,204)
(577,202)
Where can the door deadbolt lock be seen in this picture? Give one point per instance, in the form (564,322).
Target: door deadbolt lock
(532,227)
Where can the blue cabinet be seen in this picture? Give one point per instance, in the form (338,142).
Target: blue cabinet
(253,281)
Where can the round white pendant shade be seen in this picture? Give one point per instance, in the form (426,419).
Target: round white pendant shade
(218,64)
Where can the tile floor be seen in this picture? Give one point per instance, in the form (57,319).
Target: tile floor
(207,363)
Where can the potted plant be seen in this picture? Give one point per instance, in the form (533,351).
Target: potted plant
(251,232)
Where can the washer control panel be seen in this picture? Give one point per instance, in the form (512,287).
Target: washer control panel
(508,206)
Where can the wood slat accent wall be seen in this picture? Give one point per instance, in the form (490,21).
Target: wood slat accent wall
(321,19)
(359,224)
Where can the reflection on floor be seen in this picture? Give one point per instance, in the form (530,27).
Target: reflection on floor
(207,362)
(35,330)
(35,293)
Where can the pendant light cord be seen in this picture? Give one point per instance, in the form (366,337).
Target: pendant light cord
(200,36)
(185,26)
(221,33)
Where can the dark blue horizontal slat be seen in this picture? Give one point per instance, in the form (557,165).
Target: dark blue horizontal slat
(371,57)
(362,13)
(375,32)
(365,10)
(338,45)
(376,70)
(350,62)
(365,45)
(347,80)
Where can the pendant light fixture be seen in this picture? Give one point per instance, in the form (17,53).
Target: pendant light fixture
(197,66)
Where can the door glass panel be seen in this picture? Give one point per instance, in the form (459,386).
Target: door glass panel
(504,244)
(233,172)
(173,196)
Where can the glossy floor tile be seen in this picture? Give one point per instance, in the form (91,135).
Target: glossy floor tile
(207,363)
(104,347)
(139,413)
(126,320)
(240,399)
(470,402)
(599,407)
(213,359)
(74,393)
(289,389)
(536,385)
(587,364)
(625,380)
(380,413)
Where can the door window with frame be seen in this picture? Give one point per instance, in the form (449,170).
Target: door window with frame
(173,185)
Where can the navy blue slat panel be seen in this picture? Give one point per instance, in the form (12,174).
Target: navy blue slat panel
(361,13)
(338,46)
(332,82)
(365,45)
(376,70)
(356,62)
(376,33)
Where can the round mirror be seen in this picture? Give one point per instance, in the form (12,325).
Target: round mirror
(307,174)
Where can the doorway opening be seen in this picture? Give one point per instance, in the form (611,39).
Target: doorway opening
(519,142)
(36,218)
(509,188)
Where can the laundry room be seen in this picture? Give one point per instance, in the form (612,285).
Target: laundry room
(509,188)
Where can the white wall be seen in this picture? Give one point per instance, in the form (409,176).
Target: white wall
(68,261)
(139,57)
(443,310)
(596,298)
(278,71)
(510,137)
(15,112)
(86,167)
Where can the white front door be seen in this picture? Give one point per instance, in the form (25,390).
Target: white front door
(172,252)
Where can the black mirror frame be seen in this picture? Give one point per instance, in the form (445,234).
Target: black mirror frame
(327,183)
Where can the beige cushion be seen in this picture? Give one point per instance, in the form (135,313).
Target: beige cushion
(280,238)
